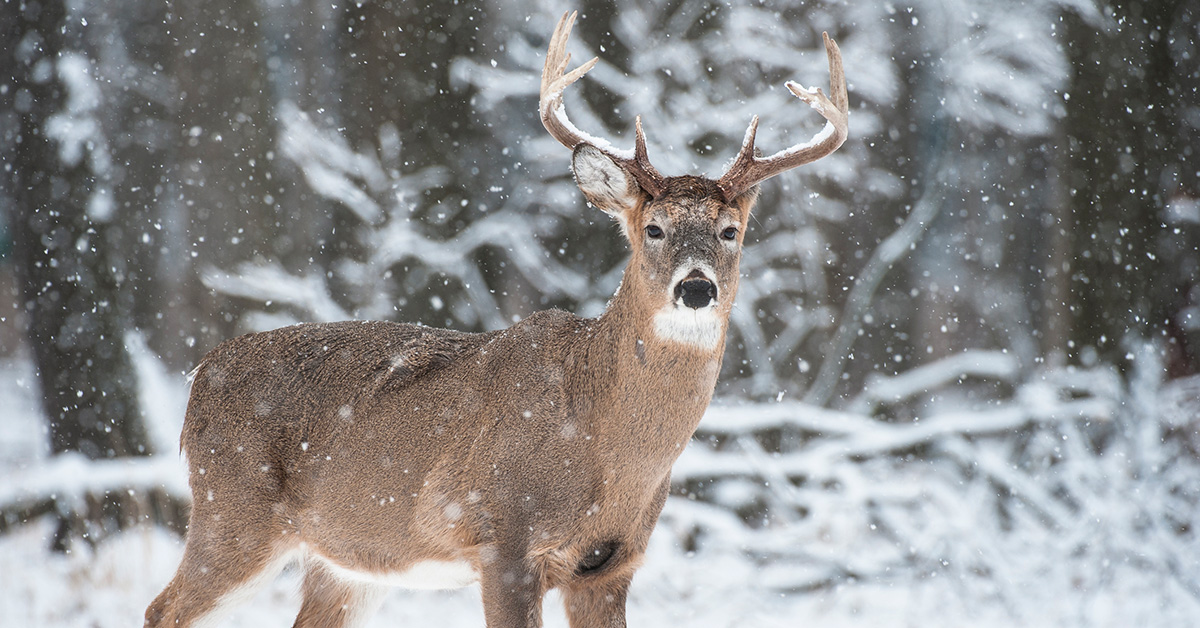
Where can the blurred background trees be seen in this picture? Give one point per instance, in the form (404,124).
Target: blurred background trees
(1050,147)
(1020,186)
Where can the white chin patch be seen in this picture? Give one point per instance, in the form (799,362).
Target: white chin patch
(699,328)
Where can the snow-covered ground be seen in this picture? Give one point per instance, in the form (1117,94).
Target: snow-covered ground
(886,541)
(110,587)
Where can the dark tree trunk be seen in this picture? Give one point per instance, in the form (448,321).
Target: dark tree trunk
(1131,149)
(62,246)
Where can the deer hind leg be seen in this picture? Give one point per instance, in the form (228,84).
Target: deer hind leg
(223,566)
(333,602)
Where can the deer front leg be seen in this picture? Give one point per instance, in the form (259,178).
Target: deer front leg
(598,600)
(512,589)
(597,604)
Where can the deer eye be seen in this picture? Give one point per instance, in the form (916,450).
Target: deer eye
(730,233)
(654,231)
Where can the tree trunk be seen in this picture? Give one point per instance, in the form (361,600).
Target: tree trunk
(60,189)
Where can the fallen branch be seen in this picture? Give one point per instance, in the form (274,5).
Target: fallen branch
(94,498)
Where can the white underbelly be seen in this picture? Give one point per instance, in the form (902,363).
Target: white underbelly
(426,574)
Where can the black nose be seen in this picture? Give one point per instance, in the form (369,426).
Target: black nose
(696,292)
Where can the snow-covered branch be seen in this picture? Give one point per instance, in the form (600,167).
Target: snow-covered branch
(69,477)
(399,256)
(1035,486)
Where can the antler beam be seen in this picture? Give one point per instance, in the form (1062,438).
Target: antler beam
(748,170)
(555,79)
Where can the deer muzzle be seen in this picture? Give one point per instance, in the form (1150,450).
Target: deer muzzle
(696,290)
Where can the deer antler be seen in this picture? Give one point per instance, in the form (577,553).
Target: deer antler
(748,170)
(555,79)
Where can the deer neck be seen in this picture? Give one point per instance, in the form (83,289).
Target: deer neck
(656,388)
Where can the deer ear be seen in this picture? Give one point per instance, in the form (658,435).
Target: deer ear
(605,184)
(745,201)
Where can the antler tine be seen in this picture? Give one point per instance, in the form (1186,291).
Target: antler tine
(555,79)
(743,162)
(748,170)
(639,147)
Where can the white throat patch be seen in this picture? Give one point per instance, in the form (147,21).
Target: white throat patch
(700,328)
(679,323)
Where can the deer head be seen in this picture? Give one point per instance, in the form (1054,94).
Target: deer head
(685,232)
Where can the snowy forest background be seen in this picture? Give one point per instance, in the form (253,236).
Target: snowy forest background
(962,382)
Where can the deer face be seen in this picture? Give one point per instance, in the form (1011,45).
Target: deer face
(686,243)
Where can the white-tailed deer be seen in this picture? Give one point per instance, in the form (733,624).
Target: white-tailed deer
(526,459)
